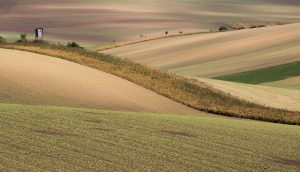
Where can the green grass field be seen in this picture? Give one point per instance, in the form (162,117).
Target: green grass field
(39,138)
(270,74)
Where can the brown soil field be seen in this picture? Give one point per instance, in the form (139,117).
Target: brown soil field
(30,78)
(217,54)
(103,21)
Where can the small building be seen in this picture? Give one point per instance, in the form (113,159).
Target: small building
(39,33)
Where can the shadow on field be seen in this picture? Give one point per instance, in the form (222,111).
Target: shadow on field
(288,162)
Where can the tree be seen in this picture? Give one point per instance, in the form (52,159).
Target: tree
(167,32)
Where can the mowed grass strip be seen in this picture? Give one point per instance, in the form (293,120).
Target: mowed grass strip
(39,138)
(188,92)
(270,74)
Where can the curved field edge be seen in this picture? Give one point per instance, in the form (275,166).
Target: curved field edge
(30,78)
(289,83)
(191,93)
(270,74)
(39,138)
(281,98)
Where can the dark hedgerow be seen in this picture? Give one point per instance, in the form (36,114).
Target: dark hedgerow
(188,92)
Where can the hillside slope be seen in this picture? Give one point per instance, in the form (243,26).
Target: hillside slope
(218,54)
(193,94)
(37,79)
(37,138)
(263,95)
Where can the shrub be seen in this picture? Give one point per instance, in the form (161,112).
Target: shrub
(167,32)
(241,28)
(2,40)
(253,27)
(73,45)
(223,28)
(23,38)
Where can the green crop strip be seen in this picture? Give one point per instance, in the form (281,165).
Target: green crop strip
(270,74)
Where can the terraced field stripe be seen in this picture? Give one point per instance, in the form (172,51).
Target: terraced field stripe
(270,74)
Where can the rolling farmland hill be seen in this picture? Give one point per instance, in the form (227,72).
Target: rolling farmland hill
(164,90)
(218,54)
(37,138)
(182,90)
(103,21)
(29,78)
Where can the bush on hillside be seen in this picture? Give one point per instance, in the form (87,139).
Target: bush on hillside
(223,28)
(2,40)
(23,38)
(73,45)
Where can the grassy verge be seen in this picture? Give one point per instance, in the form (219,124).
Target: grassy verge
(38,138)
(270,74)
(190,93)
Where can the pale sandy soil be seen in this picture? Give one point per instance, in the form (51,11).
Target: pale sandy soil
(37,79)
(218,54)
(263,95)
(290,83)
